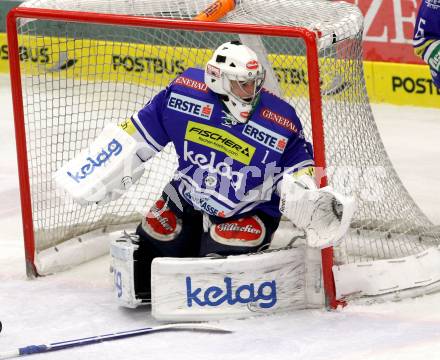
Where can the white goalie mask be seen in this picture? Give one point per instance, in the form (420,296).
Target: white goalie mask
(235,73)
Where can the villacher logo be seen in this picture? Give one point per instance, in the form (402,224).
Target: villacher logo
(237,228)
(252,65)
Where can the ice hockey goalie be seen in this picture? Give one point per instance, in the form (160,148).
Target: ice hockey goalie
(243,163)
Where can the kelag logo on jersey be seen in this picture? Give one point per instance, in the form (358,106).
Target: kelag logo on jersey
(265,137)
(190,106)
(265,295)
(213,166)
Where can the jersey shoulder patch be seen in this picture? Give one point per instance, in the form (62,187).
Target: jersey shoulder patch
(279,113)
(191,79)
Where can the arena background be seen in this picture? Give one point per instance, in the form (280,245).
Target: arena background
(393,73)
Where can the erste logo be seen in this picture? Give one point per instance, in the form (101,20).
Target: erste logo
(205,203)
(265,137)
(190,106)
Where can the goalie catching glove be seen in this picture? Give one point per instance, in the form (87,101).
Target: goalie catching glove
(322,213)
(103,171)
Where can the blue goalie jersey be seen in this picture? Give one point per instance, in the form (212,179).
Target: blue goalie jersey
(427,36)
(223,169)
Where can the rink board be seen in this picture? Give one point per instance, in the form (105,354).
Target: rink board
(156,65)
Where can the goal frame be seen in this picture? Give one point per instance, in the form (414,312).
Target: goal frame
(310,39)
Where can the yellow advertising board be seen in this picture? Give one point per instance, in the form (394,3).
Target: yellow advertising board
(99,60)
(403,84)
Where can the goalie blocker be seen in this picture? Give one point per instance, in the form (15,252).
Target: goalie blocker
(103,171)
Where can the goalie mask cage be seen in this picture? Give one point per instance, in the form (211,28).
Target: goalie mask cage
(75,71)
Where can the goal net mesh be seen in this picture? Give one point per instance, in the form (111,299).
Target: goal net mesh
(78,77)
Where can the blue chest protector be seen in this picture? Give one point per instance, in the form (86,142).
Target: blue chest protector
(224,169)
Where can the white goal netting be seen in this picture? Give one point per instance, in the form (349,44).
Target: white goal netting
(77,77)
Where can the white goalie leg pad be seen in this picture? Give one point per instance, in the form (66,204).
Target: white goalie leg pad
(324,214)
(122,266)
(195,289)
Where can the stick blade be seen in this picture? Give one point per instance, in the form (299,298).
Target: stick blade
(195,327)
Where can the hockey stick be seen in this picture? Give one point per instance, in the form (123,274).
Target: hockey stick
(337,86)
(38,349)
(216,10)
(220,8)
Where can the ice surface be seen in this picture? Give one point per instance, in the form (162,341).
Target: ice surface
(79,303)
